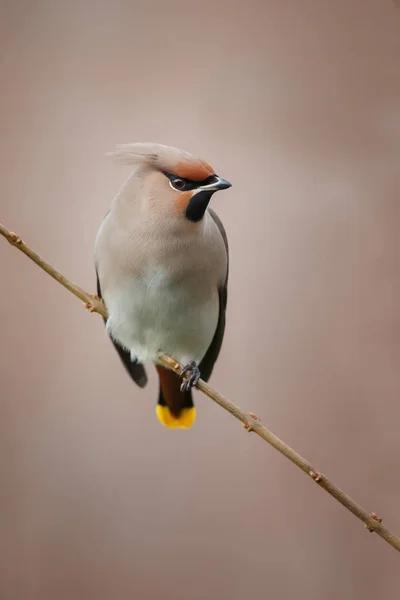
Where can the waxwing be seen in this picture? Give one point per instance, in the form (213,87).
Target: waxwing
(161,258)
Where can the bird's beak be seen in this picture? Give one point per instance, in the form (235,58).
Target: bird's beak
(217,184)
(222,184)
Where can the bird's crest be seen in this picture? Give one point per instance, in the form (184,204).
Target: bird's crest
(164,158)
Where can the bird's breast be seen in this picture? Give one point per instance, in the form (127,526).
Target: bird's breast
(152,313)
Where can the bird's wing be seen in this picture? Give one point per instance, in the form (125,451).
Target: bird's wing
(207,364)
(136,370)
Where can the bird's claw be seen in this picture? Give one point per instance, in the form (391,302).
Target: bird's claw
(193,377)
(248,426)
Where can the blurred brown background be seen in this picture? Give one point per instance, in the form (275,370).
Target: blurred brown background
(298,104)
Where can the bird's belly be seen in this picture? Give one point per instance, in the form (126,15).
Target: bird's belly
(148,318)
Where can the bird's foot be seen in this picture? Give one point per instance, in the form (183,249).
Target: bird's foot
(193,376)
(91,306)
(249,426)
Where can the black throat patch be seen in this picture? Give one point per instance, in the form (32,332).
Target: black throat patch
(197,205)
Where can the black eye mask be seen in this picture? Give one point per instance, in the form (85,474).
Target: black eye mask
(186,185)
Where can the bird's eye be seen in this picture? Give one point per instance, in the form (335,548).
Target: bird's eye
(179,184)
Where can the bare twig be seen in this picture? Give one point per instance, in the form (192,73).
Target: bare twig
(94,304)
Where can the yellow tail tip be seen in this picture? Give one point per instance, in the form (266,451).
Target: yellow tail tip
(184,421)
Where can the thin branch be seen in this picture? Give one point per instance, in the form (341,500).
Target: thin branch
(94,304)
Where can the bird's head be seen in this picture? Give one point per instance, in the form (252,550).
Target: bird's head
(181,183)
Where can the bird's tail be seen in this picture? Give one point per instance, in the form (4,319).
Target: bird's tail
(175,409)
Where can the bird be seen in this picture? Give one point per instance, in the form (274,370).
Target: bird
(162,263)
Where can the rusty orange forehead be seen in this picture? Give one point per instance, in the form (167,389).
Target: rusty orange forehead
(194,170)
